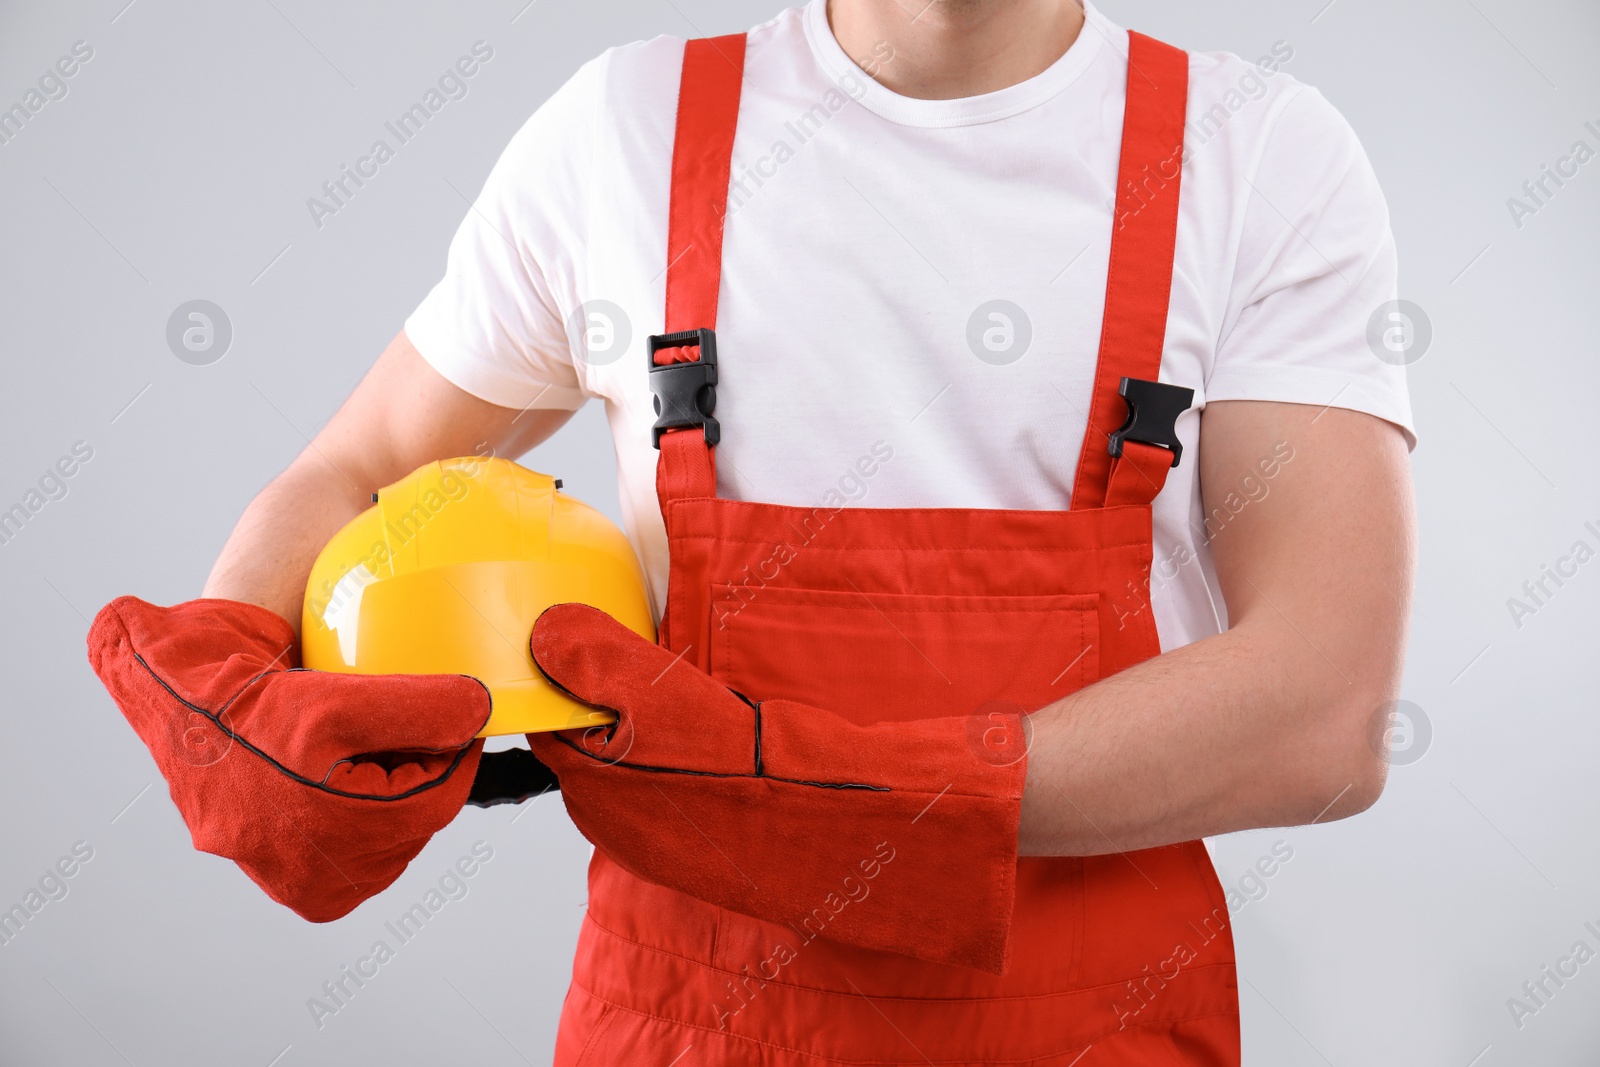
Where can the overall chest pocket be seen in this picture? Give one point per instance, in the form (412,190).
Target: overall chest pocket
(896,656)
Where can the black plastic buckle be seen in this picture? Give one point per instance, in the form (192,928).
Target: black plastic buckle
(685,394)
(1153,410)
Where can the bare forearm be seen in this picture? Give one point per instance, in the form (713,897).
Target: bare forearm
(1237,731)
(1271,722)
(270,552)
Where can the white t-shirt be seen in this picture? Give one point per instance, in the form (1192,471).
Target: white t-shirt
(868,236)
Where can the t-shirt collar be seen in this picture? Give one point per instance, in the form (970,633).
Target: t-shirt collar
(962,111)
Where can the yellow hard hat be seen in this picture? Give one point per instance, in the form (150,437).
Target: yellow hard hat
(446,574)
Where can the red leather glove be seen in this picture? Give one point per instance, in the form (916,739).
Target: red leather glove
(320,786)
(767,809)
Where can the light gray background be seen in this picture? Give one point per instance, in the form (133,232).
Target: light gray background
(178,166)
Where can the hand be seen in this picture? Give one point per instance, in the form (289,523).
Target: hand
(322,787)
(796,804)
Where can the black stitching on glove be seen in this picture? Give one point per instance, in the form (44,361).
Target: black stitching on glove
(760,770)
(461,753)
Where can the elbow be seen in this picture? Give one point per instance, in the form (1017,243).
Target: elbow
(1368,774)
(1353,767)
(1357,728)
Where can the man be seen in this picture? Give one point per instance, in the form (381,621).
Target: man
(958,287)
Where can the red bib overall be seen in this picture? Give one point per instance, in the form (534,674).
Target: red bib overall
(1121,959)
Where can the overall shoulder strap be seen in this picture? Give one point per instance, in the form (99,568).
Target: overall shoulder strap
(702,150)
(1114,467)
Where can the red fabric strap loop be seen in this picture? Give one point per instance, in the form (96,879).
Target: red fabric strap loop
(1138,474)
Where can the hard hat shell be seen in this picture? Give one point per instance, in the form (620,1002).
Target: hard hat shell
(446,573)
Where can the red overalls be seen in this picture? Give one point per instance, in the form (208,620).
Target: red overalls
(1121,959)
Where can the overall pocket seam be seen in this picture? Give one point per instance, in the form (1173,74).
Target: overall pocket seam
(727,660)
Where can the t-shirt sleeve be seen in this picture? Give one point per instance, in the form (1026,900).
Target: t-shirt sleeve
(494,325)
(1316,260)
